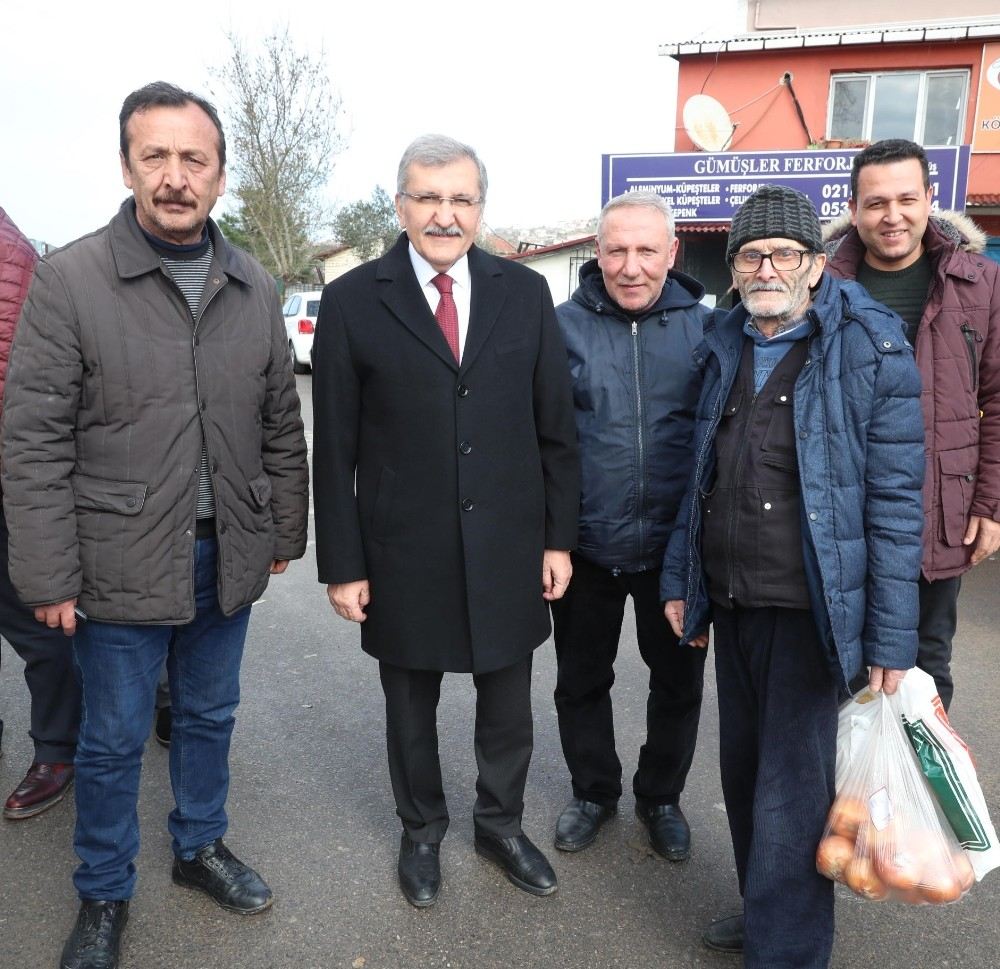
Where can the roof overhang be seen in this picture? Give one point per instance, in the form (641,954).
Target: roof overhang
(899,34)
(528,254)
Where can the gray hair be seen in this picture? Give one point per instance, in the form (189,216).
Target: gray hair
(433,151)
(645,200)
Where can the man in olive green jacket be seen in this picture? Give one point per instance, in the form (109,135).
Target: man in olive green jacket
(154,474)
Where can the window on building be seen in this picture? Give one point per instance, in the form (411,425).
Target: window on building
(925,106)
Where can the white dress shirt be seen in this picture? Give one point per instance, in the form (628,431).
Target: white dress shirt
(461,290)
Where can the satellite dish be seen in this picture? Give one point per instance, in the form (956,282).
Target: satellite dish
(707,123)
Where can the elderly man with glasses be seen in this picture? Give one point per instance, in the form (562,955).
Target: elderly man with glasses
(447,482)
(799,539)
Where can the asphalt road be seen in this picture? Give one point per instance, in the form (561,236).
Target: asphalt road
(310,807)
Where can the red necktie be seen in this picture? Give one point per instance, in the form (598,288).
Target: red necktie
(447,312)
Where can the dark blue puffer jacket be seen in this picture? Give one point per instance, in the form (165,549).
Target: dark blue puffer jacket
(635,387)
(859,438)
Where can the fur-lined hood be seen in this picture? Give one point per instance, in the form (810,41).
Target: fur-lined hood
(954,226)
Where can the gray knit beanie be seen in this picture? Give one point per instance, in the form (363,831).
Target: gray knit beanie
(775,212)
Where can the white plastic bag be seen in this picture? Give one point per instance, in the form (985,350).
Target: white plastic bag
(885,836)
(948,766)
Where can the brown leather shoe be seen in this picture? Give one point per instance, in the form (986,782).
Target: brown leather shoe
(43,786)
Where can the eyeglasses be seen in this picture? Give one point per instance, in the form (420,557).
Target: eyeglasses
(750,260)
(431,201)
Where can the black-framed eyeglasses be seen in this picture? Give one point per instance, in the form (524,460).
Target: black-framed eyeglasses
(750,260)
(431,201)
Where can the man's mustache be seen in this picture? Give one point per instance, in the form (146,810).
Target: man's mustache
(437,230)
(766,288)
(173,198)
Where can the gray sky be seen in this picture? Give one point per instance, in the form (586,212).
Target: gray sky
(541,89)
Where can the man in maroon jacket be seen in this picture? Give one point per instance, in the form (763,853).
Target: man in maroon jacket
(930,269)
(47,654)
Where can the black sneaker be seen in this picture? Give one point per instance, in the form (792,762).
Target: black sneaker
(96,937)
(217,872)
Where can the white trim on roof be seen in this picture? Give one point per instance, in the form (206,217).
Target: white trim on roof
(903,34)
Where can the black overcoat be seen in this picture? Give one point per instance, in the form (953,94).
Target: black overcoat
(442,485)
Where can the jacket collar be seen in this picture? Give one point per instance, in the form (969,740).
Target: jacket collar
(400,292)
(834,302)
(134,256)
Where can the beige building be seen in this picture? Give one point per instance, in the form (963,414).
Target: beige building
(559,264)
(764,16)
(336,259)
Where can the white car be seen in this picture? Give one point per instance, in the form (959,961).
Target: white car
(300,312)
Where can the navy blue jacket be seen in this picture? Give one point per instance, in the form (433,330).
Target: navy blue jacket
(859,437)
(635,387)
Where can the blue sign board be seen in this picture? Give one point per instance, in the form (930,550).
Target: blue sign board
(710,186)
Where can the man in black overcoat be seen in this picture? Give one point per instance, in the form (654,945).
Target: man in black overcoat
(447,495)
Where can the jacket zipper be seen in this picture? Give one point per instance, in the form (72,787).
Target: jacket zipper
(640,449)
(971,338)
(197,390)
(196,320)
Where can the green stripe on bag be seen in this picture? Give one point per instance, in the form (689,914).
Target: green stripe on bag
(939,769)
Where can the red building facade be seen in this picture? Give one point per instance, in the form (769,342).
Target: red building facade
(845,88)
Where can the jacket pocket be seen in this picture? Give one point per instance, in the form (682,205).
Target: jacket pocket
(511,346)
(958,488)
(778,446)
(972,337)
(781,461)
(108,494)
(260,490)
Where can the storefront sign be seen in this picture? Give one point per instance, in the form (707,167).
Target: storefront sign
(711,186)
(986,126)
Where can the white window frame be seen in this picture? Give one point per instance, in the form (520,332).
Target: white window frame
(872,76)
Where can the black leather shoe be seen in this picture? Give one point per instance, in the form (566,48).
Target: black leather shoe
(669,834)
(419,871)
(579,823)
(217,872)
(726,935)
(96,937)
(524,865)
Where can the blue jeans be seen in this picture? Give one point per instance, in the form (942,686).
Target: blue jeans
(119,666)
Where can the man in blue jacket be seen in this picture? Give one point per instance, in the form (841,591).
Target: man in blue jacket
(631,329)
(800,540)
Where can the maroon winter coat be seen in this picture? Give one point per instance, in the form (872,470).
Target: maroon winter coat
(958,354)
(17,263)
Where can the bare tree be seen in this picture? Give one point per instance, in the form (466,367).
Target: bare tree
(282,115)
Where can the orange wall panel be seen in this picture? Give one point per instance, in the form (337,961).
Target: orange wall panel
(747,85)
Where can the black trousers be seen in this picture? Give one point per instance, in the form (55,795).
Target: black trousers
(48,670)
(777,751)
(588,625)
(503,742)
(938,621)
